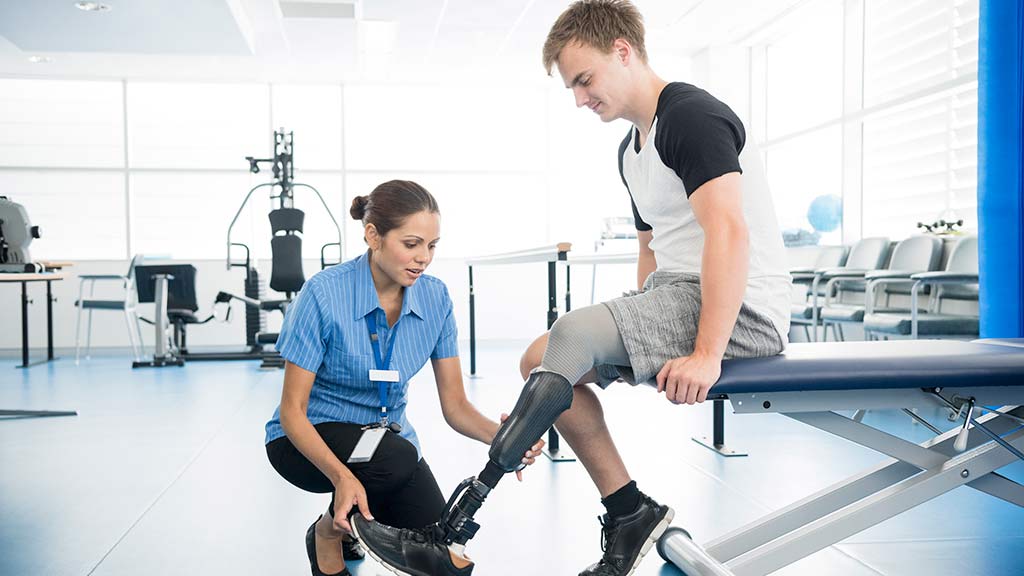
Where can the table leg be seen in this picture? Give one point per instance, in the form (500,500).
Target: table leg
(24,325)
(717,440)
(554,450)
(568,291)
(552,294)
(49,320)
(472,325)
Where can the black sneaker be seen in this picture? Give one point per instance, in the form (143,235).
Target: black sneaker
(407,552)
(625,539)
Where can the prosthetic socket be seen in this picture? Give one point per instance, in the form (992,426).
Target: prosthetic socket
(543,399)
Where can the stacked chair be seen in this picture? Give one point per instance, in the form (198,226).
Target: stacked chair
(866,255)
(846,293)
(828,257)
(956,283)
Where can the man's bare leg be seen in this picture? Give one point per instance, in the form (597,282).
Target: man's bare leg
(583,427)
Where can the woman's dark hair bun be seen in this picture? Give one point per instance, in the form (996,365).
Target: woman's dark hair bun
(391,203)
(358,209)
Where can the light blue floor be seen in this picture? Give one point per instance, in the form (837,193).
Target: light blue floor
(164,473)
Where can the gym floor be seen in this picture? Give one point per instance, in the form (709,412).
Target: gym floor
(163,472)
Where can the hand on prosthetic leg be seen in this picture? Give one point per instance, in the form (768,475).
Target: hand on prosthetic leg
(438,549)
(543,399)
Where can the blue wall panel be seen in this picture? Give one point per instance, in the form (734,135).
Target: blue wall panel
(1000,162)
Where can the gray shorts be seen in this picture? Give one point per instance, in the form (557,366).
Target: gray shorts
(660,322)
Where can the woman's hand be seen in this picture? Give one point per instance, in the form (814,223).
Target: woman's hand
(349,492)
(531,455)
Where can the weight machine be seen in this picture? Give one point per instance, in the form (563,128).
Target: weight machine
(286,223)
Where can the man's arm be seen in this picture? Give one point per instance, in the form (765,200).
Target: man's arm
(724,265)
(645,263)
(718,207)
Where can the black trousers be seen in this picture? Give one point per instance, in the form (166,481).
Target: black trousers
(400,488)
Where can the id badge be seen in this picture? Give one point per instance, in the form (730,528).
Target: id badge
(367,445)
(384,376)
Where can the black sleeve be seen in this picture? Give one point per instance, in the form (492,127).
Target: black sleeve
(699,138)
(637,220)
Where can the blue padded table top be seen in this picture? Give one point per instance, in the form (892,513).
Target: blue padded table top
(877,365)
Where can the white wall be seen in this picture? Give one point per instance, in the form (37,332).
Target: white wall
(511,302)
(111,168)
(161,171)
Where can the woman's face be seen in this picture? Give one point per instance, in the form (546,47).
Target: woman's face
(404,253)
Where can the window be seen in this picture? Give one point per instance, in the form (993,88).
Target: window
(912,47)
(61,123)
(890,98)
(81,215)
(802,170)
(480,214)
(920,164)
(197,125)
(584,186)
(457,128)
(805,77)
(185,215)
(313,114)
(803,90)
(920,148)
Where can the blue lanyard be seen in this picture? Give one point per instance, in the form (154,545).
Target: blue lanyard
(382,363)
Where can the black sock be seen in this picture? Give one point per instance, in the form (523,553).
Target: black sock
(622,501)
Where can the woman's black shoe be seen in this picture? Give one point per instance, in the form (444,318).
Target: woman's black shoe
(311,551)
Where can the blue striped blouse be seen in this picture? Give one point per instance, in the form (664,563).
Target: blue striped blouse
(325,332)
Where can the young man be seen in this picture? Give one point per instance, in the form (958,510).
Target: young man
(711,271)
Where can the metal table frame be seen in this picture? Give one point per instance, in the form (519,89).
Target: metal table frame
(24,279)
(912,474)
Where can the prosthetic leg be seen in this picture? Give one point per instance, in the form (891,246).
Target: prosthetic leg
(545,396)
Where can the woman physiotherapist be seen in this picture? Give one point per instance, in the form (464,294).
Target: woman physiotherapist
(352,339)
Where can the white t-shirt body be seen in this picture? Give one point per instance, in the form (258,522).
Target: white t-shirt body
(696,138)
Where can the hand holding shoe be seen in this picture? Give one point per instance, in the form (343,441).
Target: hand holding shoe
(349,493)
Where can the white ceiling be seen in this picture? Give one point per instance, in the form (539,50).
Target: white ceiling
(387,41)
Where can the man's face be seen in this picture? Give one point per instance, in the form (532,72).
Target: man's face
(595,78)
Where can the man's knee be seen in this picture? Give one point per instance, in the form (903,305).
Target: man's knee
(569,326)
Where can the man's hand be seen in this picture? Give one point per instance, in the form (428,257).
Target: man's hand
(687,379)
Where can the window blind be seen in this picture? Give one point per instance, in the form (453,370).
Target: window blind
(920,133)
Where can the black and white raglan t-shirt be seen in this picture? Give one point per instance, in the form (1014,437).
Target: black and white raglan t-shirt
(696,138)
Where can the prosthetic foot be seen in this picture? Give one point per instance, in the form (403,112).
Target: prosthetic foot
(426,552)
(408,552)
(543,399)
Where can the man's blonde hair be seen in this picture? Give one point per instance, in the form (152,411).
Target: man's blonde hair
(595,23)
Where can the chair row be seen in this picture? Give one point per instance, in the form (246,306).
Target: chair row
(879,285)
